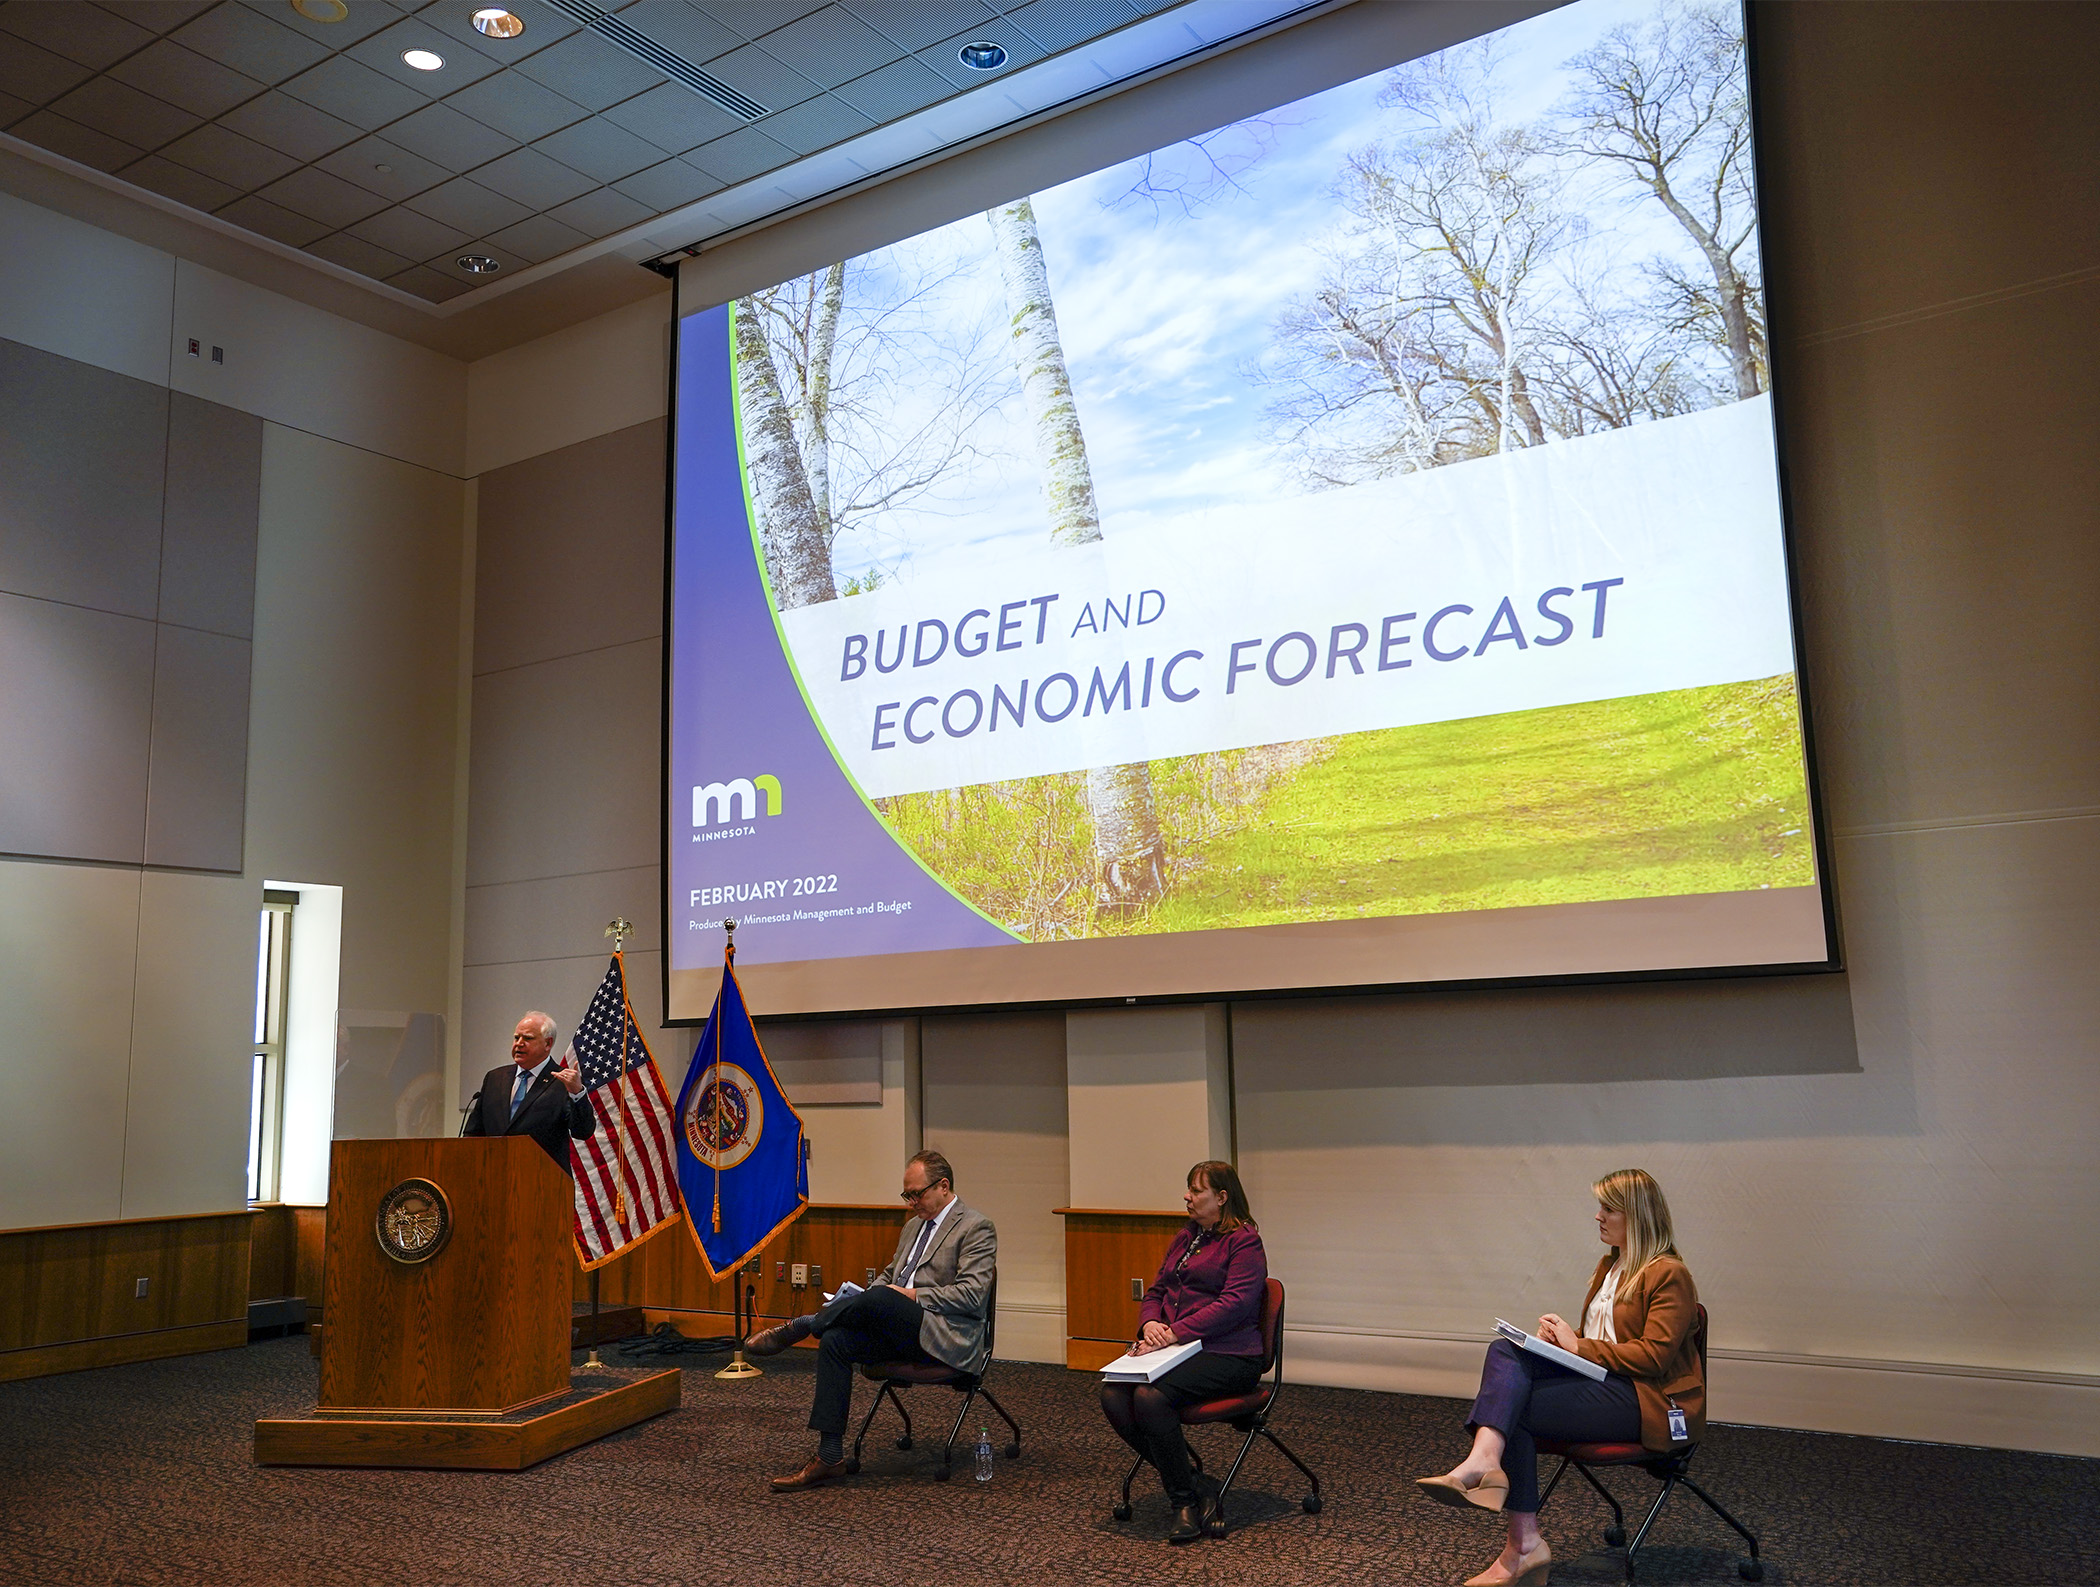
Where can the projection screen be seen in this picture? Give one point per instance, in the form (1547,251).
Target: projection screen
(1342,549)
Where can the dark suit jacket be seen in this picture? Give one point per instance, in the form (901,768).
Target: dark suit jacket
(548,1116)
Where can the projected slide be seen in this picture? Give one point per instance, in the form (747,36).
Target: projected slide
(1341,549)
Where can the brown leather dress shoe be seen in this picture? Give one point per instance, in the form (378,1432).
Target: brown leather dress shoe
(814,1475)
(771,1341)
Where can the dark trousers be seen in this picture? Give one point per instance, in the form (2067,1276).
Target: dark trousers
(1525,1397)
(879,1325)
(1147,1416)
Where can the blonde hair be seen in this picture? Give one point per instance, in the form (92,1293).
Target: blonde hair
(1634,1192)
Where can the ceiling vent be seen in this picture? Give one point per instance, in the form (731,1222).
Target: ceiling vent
(672,65)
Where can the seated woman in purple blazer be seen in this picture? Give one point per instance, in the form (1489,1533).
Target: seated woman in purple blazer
(1210,1287)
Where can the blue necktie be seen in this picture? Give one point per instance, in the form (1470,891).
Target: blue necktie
(517,1095)
(918,1255)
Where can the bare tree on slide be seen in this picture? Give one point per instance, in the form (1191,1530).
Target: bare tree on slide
(798,548)
(1129,854)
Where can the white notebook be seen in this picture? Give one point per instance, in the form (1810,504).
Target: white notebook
(1539,1347)
(1147,1368)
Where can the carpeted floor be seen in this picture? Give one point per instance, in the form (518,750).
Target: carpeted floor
(142,1474)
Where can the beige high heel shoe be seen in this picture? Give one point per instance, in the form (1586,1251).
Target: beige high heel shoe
(1532,1571)
(1488,1494)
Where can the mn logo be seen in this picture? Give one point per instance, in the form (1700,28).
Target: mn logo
(724,1116)
(735,800)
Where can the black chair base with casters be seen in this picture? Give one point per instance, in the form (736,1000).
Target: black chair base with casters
(1247,1413)
(893,1375)
(1671,1469)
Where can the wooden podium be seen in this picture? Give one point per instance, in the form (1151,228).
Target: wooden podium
(448,1305)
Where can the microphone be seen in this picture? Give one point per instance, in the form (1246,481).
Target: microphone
(467,1112)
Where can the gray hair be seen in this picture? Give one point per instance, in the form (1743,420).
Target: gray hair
(547,1026)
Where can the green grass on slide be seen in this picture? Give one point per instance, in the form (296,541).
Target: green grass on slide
(1690,791)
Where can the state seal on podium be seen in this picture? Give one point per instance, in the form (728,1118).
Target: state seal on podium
(413,1222)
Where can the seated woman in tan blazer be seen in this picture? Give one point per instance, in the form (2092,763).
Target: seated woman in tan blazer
(1638,1323)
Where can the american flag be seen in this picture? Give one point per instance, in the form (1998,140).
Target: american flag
(628,1164)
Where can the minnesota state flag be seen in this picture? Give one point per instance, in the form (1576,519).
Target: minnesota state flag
(741,1163)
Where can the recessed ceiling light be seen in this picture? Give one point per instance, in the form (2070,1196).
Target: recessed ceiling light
(496,23)
(982,56)
(384,170)
(321,10)
(423,60)
(478,264)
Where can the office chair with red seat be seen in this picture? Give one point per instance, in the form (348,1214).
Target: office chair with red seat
(893,1375)
(1248,1413)
(1671,1469)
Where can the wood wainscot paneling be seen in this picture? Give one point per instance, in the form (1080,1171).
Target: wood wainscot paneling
(69,1295)
(667,1279)
(1107,1251)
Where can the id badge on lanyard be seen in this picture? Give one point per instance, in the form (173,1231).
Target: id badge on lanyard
(1678,1432)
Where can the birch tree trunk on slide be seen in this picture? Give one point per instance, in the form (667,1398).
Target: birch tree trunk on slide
(799,550)
(1129,854)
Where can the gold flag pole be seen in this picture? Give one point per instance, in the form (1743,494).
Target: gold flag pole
(738,1367)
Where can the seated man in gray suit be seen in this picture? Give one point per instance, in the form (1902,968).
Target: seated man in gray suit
(929,1305)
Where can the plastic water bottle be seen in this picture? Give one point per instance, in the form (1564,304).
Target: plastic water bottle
(984,1455)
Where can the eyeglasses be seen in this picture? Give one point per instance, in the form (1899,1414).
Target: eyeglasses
(914,1195)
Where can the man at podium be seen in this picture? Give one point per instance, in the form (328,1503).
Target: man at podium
(531,1096)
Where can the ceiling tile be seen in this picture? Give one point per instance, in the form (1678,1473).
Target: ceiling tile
(896,90)
(282,122)
(590,71)
(31,72)
(470,208)
(354,253)
(344,88)
(110,107)
(260,215)
(683,28)
(1021,50)
(914,24)
(180,183)
(382,52)
(413,236)
(1060,24)
(673,117)
(516,106)
(602,213)
(543,26)
(75,142)
(158,16)
(230,157)
(405,175)
(533,179)
(82,33)
(13,109)
(820,123)
(448,263)
(183,77)
(366,17)
(753,17)
(539,238)
(440,133)
(740,156)
(666,186)
(312,191)
(598,148)
(427,283)
(250,42)
(830,46)
(752,71)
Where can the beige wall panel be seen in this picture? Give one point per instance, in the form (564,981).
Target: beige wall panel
(1920,152)
(1938,1207)
(495,995)
(564,772)
(68,934)
(857,1150)
(562,916)
(606,374)
(72,289)
(995,1107)
(351,765)
(1146,1100)
(569,555)
(307,369)
(192,1021)
(1945,485)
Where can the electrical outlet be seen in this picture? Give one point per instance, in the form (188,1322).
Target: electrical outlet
(218,356)
(871,1272)
(1137,1289)
(816,1275)
(196,347)
(780,1272)
(138,1290)
(753,1267)
(800,1278)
